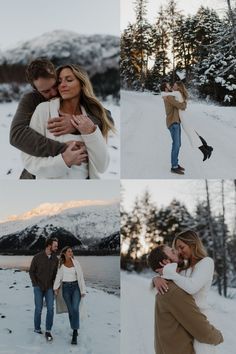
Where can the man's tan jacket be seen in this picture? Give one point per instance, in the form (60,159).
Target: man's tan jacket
(178,321)
(172,110)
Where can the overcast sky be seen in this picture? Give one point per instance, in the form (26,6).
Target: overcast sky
(26,19)
(18,197)
(188,7)
(186,191)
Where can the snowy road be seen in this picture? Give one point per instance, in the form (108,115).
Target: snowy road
(100,322)
(146,142)
(137,317)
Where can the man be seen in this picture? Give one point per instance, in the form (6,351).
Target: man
(42,272)
(173,124)
(41,75)
(178,320)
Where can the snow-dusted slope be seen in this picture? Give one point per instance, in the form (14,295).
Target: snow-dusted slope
(87,223)
(96,53)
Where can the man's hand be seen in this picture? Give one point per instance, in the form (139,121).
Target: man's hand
(83,124)
(161,285)
(165,262)
(73,156)
(61,125)
(77,144)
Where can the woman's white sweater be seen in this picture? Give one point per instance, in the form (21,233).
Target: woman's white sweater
(55,167)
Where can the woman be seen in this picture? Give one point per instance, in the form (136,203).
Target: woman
(78,103)
(196,279)
(180,93)
(70,278)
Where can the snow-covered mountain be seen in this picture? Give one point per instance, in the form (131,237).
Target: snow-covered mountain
(96,53)
(89,224)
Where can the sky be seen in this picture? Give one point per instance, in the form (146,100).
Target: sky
(188,7)
(18,197)
(26,19)
(186,191)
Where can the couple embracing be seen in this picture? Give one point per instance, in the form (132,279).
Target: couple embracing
(175,100)
(185,274)
(62,278)
(60,126)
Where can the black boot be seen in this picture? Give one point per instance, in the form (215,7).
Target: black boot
(48,336)
(208,147)
(74,337)
(203,140)
(205,152)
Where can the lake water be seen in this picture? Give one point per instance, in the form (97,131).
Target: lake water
(101,272)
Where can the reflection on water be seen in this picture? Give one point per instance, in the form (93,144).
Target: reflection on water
(101,272)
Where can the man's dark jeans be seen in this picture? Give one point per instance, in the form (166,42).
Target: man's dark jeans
(38,301)
(175,131)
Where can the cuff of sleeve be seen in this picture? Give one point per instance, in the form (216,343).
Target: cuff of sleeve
(91,137)
(169,270)
(61,163)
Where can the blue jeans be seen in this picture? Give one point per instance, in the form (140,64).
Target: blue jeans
(38,301)
(71,295)
(175,131)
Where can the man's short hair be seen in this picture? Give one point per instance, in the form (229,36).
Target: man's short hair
(49,241)
(156,256)
(163,85)
(40,67)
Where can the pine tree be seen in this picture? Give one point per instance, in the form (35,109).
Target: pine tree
(141,43)
(173,15)
(135,231)
(185,44)
(215,74)
(160,44)
(129,70)
(206,27)
(173,219)
(149,214)
(202,227)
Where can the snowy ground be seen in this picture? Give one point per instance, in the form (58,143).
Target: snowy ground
(137,316)
(11,165)
(100,323)
(146,141)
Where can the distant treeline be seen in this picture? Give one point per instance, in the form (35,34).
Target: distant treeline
(76,252)
(104,84)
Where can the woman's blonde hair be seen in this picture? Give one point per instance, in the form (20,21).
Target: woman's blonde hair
(182,89)
(88,98)
(192,239)
(62,258)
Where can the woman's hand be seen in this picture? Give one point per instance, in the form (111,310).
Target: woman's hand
(56,292)
(83,295)
(161,285)
(83,124)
